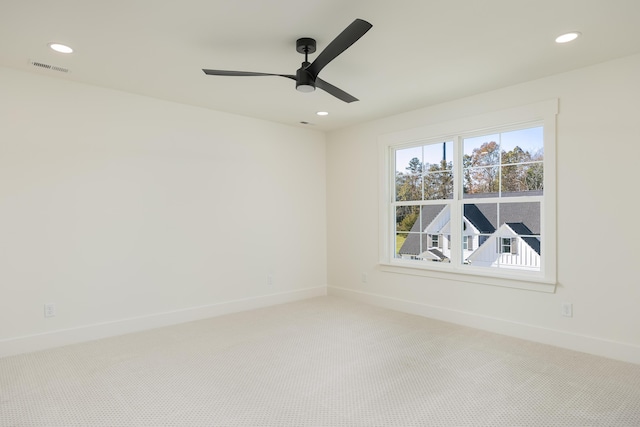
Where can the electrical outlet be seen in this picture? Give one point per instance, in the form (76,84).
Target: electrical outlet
(364,278)
(49,310)
(269,280)
(567,309)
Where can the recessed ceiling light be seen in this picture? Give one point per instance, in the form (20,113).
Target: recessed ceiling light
(62,48)
(568,37)
(322,113)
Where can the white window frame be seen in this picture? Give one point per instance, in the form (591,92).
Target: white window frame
(541,113)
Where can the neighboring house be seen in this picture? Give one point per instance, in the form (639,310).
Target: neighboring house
(514,242)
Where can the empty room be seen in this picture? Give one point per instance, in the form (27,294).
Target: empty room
(321,213)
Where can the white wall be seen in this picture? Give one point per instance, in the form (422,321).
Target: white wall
(130,212)
(598,147)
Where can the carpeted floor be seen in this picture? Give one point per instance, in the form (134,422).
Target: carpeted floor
(319,362)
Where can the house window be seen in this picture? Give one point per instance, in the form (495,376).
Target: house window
(505,246)
(467,243)
(489,191)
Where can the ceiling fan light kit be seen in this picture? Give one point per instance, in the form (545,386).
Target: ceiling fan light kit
(306,76)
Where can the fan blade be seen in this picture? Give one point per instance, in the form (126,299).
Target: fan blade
(346,38)
(243,73)
(338,93)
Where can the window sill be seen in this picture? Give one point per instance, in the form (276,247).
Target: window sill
(508,281)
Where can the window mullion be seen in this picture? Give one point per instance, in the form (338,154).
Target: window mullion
(456,204)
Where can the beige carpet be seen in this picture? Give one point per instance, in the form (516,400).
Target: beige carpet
(319,362)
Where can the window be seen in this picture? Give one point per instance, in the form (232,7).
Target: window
(505,245)
(467,243)
(490,193)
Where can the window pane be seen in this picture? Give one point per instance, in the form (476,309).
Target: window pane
(522,180)
(405,156)
(408,174)
(481,150)
(407,218)
(508,235)
(522,150)
(422,232)
(520,223)
(438,185)
(522,145)
(407,223)
(400,239)
(438,157)
(478,225)
(526,214)
(479,181)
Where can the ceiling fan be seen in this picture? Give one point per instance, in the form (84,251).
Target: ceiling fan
(306,77)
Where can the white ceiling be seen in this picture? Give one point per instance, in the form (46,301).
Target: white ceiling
(418,53)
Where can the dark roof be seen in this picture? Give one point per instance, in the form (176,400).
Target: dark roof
(479,219)
(520,228)
(523,231)
(534,242)
(438,253)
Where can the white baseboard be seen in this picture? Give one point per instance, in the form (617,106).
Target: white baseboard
(36,342)
(587,344)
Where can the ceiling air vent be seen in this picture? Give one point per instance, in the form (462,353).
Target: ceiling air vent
(49,67)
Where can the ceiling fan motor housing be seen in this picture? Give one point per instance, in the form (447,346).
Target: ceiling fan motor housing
(304,80)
